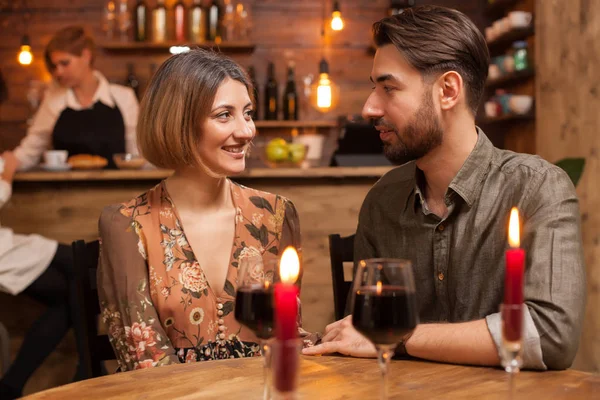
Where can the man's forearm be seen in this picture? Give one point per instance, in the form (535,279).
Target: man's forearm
(460,343)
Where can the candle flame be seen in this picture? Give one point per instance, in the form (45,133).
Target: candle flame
(378,288)
(289,266)
(513,229)
(267,284)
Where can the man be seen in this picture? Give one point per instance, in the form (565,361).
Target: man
(447,211)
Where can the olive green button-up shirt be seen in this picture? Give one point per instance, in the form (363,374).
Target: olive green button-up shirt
(458,260)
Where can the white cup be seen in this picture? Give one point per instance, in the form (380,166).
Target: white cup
(520,104)
(520,19)
(55,158)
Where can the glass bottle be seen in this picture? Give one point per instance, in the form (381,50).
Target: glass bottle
(197,23)
(140,21)
(290,97)
(159,22)
(109,20)
(179,13)
(124,20)
(213,22)
(271,106)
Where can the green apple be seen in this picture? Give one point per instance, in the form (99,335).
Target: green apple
(277,150)
(297,152)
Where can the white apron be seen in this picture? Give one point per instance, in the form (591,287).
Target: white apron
(23,258)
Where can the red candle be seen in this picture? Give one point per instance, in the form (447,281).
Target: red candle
(513,279)
(286,362)
(286,296)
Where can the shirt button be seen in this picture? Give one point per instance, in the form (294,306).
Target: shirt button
(220,313)
(441,276)
(219,306)
(441,227)
(221,322)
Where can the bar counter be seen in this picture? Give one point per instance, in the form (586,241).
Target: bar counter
(66,205)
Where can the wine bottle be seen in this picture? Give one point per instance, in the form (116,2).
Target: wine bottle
(140,21)
(271,106)
(159,22)
(213,22)
(290,97)
(179,12)
(252,75)
(197,23)
(132,81)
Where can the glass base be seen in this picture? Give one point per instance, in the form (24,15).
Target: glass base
(277,395)
(511,356)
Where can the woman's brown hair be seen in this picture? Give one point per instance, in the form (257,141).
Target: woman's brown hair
(436,40)
(178,99)
(72,40)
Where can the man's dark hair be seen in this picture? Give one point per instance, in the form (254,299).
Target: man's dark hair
(435,40)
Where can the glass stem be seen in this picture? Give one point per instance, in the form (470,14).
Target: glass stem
(265,351)
(384,354)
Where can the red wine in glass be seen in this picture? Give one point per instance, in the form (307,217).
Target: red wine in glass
(254,309)
(386,315)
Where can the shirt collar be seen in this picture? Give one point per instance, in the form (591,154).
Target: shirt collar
(468,182)
(102,94)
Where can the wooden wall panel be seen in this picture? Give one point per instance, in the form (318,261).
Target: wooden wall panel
(283,31)
(568,100)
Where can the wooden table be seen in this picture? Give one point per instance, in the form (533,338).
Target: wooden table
(330,378)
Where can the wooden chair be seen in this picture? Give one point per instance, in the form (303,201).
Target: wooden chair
(97,347)
(341,249)
(4,349)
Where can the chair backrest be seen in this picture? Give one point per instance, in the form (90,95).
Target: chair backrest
(4,349)
(341,249)
(97,347)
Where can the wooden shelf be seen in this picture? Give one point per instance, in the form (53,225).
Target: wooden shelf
(505,40)
(510,79)
(499,7)
(225,47)
(295,124)
(507,118)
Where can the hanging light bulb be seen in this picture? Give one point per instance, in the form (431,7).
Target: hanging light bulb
(324,92)
(25,56)
(337,23)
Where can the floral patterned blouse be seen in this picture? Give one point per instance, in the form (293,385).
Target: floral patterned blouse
(155,299)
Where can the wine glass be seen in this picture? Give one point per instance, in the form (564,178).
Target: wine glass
(254,306)
(384,307)
(512,316)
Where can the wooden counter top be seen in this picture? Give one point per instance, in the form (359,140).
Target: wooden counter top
(158,174)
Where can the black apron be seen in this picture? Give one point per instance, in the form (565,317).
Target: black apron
(99,130)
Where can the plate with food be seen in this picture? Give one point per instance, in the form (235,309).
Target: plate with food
(128,161)
(87,161)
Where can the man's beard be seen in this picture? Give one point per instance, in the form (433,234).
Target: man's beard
(422,134)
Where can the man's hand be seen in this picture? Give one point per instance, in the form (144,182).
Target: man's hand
(341,337)
(10,165)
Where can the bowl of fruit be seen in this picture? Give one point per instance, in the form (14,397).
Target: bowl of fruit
(277,153)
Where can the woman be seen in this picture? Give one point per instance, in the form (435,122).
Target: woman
(85,114)
(168,265)
(41,269)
